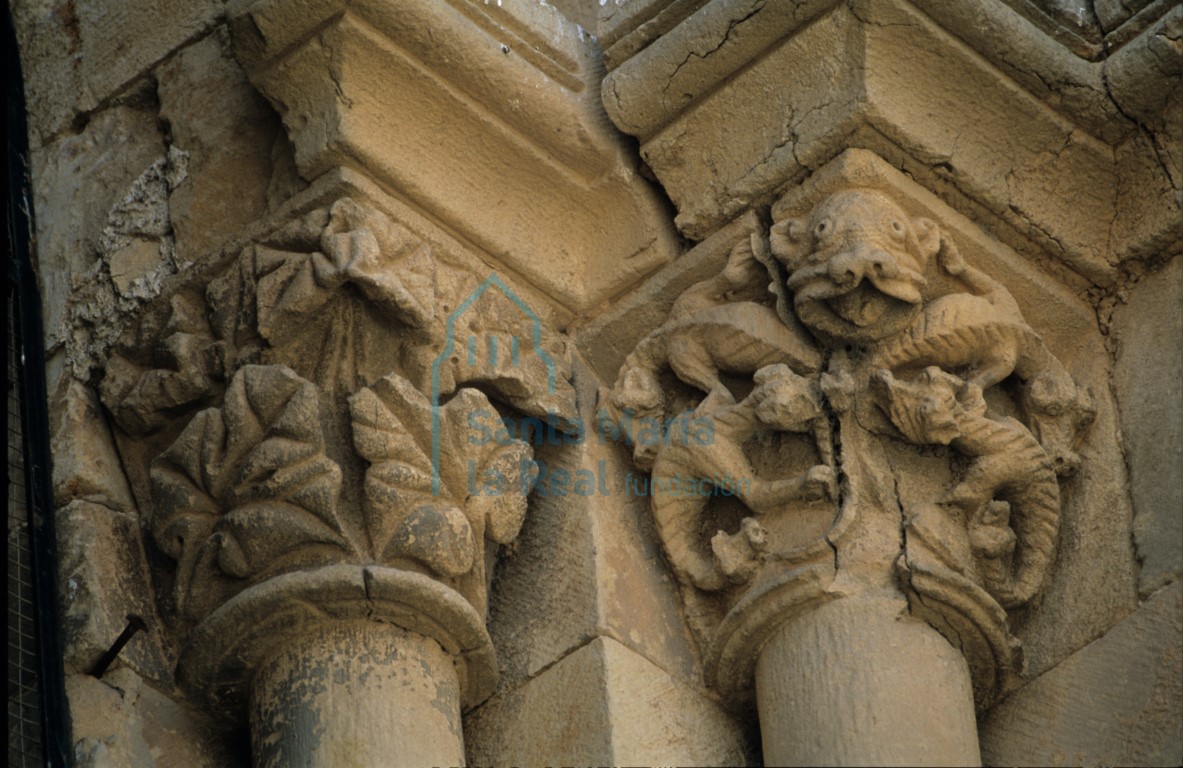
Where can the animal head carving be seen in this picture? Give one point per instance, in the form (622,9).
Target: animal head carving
(856,265)
(636,401)
(785,400)
(1058,410)
(928,409)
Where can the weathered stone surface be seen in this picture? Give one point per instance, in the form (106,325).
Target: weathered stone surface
(637,597)
(1051,53)
(648,91)
(84,174)
(1148,379)
(851,682)
(136,256)
(616,20)
(586,563)
(1150,196)
(486,729)
(1144,79)
(603,704)
(1066,16)
(609,336)
(560,716)
(222,654)
(86,464)
(295,332)
(1115,702)
(1092,585)
(121,721)
(883,293)
(99,272)
(445,127)
(228,130)
(103,577)
(627,27)
(1111,13)
(357,693)
(849,69)
(1143,74)
(543,598)
(579,12)
(1093,582)
(1090,582)
(78,55)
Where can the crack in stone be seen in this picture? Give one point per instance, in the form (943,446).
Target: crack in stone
(1149,134)
(366,578)
(840,478)
(731,25)
(907,569)
(126,91)
(854,11)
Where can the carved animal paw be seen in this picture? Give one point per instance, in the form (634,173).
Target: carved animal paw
(739,264)
(839,389)
(992,542)
(738,555)
(951,259)
(785,237)
(819,483)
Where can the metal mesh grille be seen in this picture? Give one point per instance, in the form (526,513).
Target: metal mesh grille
(24,690)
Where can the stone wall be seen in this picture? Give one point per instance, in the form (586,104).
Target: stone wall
(260,225)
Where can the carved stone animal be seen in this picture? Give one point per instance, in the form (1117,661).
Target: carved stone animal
(738,338)
(714,326)
(782,401)
(743,278)
(1009,471)
(856,265)
(984,336)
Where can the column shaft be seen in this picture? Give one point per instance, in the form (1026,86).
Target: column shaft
(859,682)
(357,694)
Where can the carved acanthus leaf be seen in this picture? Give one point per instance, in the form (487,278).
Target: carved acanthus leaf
(422,497)
(354,245)
(183,365)
(247,488)
(341,295)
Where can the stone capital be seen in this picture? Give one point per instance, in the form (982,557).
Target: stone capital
(883,422)
(311,419)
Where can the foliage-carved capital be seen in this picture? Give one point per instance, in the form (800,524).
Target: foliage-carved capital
(303,422)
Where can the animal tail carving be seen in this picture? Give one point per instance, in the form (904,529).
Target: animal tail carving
(1010,467)
(679,520)
(1010,483)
